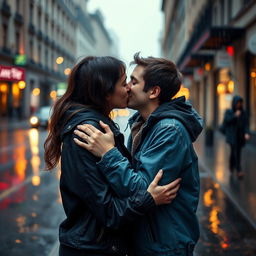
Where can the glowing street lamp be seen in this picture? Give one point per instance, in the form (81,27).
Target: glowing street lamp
(59,60)
(22,84)
(36,91)
(67,71)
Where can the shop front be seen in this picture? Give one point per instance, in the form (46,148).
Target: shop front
(252,93)
(251,78)
(12,84)
(225,81)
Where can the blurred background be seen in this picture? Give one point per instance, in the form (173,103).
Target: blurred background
(213,43)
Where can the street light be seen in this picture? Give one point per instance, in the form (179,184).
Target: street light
(67,71)
(22,84)
(59,60)
(36,91)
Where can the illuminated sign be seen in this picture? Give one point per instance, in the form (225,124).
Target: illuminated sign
(9,73)
(20,60)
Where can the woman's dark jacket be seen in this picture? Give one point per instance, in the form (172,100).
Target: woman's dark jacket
(235,127)
(96,217)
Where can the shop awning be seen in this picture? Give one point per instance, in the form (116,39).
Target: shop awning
(217,37)
(213,38)
(195,60)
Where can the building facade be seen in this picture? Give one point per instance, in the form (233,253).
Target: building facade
(40,42)
(214,45)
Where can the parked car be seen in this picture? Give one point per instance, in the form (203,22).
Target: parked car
(41,117)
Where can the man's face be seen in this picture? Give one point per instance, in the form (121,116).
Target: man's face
(119,98)
(239,105)
(138,99)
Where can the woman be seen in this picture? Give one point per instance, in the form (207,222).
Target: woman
(97,220)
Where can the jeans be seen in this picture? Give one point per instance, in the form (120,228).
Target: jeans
(235,157)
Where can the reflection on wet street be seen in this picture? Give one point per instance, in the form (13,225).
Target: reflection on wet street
(31,210)
(215,161)
(30,205)
(224,231)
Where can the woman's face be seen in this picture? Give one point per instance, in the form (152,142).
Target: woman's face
(119,98)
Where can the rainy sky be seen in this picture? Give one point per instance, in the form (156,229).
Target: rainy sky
(137,23)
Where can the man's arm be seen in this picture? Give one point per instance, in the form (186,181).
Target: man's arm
(119,172)
(167,151)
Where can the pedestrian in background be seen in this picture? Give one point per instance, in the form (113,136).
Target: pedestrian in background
(236,132)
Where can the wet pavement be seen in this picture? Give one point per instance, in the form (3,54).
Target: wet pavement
(30,204)
(215,161)
(223,229)
(31,210)
(227,205)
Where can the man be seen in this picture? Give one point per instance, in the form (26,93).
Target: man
(236,129)
(162,132)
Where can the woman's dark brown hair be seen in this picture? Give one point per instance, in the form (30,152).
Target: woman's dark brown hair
(90,81)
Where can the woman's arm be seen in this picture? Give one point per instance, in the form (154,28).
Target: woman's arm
(84,180)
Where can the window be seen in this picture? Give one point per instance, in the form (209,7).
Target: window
(53,28)
(39,53)
(5,28)
(246,2)
(222,12)
(31,12)
(46,25)
(17,6)
(253,94)
(39,20)
(17,41)
(230,11)
(52,61)
(31,49)
(46,57)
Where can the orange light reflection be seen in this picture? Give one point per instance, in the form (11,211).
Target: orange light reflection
(35,159)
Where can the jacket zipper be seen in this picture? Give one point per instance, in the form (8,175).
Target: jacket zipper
(100,235)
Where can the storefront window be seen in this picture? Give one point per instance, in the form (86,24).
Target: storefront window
(253,95)
(225,88)
(3,98)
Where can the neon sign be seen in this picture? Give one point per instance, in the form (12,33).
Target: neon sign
(10,73)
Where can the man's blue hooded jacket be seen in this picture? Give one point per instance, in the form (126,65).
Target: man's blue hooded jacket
(165,143)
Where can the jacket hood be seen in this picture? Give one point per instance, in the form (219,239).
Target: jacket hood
(85,114)
(179,109)
(236,99)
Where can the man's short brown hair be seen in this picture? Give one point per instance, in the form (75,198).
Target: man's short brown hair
(160,72)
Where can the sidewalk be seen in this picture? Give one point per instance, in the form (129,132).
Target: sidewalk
(214,160)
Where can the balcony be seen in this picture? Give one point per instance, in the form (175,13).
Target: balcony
(18,19)
(6,9)
(31,29)
(53,45)
(6,50)
(39,35)
(46,40)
